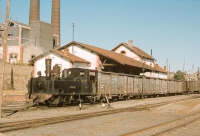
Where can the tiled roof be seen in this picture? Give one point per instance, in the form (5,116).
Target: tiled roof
(64,54)
(158,68)
(69,56)
(124,60)
(135,49)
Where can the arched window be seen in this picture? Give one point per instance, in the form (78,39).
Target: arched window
(123,52)
(32,56)
(13,57)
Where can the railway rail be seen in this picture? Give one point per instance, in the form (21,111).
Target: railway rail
(25,124)
(167,127)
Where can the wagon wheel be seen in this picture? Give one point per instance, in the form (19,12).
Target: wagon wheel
(128,98)
(103,100)
(114,99)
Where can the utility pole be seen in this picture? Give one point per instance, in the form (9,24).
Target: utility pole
(198,74)
(167,68)
(184,65)
(143,78)
(169,71)
(4,58)
(73,25)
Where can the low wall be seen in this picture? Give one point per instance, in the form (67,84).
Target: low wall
(16,77)
(16,98)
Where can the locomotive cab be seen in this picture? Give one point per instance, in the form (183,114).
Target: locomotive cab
(79,81)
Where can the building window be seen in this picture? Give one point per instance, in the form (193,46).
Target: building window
(123,52)
(13,58)
(32,56)
(82,73)
(10,35)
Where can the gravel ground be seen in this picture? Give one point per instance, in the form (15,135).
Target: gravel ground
(115,124)
(189,130)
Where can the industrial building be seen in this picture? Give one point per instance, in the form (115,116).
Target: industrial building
(34,42)
(24,42)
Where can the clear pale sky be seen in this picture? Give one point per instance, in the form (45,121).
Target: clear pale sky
(171,28)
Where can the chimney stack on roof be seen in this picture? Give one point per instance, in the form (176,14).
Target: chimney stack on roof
(130,43)
(55,19)
(34,13)
(165,68)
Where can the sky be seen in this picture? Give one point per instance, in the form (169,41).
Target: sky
(171,28)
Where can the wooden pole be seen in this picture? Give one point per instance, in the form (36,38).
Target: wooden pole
(4,58)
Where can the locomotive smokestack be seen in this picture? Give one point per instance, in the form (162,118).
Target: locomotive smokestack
(55,19)
(48,67)
(34,14)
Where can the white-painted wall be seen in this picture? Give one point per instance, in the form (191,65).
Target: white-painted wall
(39,65)
(149,62)
(13,50)
(129,53)
(133,55)
(155,75)
(85,54)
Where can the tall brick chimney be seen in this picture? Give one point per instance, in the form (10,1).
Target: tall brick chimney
(55,19)
(34,14)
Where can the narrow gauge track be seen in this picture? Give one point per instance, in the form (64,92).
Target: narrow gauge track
(167,127)
(25,124)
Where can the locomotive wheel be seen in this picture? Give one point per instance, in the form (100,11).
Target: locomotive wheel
(127,98)
(103,100)
(36,101)
(114,99)
(92,100)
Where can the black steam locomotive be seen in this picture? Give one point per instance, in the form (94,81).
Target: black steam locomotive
(77,85)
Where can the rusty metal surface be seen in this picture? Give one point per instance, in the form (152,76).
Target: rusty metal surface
(110,83)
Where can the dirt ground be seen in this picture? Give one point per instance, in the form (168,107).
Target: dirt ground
(114,124)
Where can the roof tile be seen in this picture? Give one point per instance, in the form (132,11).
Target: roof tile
(124,60)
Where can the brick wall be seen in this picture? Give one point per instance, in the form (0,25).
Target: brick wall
(16,98)
(21,75)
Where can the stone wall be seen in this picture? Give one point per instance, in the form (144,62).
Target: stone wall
(16,77)
(16,98)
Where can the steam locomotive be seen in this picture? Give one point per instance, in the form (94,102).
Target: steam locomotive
(78,85)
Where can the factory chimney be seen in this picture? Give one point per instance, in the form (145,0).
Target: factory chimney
(34,14)
(55,19)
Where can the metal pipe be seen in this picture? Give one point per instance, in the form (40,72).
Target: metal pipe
(48,67)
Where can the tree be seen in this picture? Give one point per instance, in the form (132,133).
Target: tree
(179,75)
